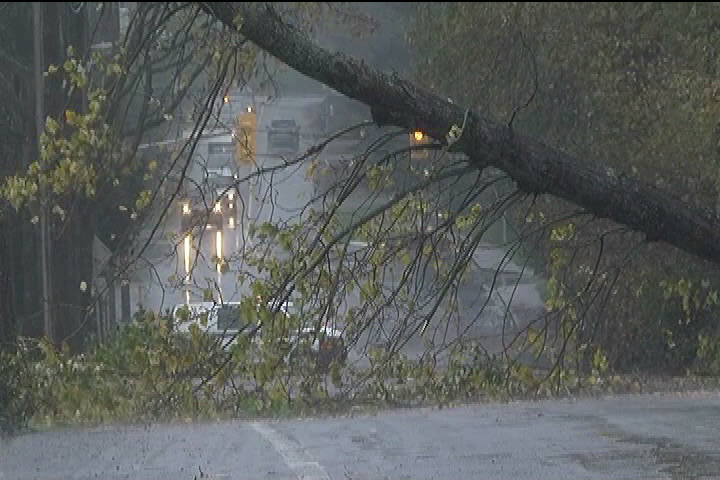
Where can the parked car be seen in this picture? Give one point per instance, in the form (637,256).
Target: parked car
(284,134)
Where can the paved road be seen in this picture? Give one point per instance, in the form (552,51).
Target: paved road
(668,436)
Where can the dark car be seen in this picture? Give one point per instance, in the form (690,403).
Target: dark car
(195,214)
(284,134)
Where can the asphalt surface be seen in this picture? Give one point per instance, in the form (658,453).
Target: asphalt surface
(640,436)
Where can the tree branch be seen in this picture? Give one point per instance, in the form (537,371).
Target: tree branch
(535,166)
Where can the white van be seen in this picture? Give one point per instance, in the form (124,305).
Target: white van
(223,320)
(218,320)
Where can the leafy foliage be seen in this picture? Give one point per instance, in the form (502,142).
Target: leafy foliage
(631,86)
(18,391)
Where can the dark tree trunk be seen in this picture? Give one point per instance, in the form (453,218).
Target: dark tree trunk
(537,168)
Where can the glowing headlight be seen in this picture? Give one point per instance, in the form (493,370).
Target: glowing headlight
(218,246)
(186,252)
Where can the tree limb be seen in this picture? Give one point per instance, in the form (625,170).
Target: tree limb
(535,166)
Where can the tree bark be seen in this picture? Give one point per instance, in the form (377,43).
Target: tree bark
(536,167)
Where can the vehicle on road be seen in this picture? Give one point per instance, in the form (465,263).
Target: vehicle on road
(224,322)
(225,200)
(214,210)
(221,152)
(284,135)
(197,212)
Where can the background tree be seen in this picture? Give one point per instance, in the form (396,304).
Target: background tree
(630,86)
(102,105)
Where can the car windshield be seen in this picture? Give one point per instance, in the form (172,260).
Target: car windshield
(221,148)
(229,318)
(284,124)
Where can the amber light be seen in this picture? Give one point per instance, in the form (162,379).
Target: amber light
(418,136)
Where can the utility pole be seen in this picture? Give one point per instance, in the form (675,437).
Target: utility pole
(40,128)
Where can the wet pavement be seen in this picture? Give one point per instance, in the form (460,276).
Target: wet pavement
(670,436)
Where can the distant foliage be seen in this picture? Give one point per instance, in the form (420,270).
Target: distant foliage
(633,86)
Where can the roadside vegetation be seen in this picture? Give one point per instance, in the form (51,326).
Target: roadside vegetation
(145,373)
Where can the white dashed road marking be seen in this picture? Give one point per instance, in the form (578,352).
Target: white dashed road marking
(294,456)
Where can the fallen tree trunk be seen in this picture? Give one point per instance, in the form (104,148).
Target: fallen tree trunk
(535,166)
